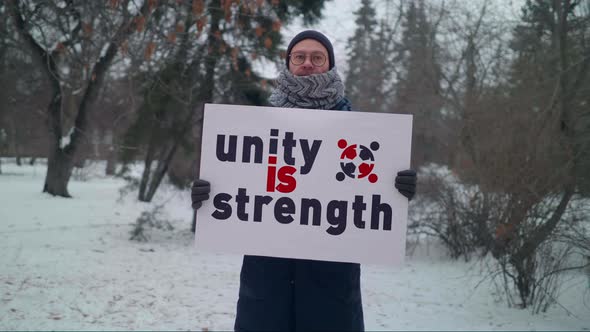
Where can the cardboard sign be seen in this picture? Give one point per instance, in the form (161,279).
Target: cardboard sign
(300,183)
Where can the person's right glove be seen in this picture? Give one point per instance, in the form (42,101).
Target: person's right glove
(199,193)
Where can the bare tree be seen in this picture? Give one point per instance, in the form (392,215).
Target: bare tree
(74,43)
(520,143)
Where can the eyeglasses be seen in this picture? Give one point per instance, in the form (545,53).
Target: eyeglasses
(317,58)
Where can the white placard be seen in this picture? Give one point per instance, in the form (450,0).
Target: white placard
(300,183)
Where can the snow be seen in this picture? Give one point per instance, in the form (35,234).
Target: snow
(77,91)
(104,50)
(134,6)
(65,140)
(65,70)
(67,264)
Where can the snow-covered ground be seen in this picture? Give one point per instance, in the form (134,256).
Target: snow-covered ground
(68,264)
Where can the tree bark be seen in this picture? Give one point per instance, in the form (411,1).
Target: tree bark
(14,142)
(111,161)
(194,222)
(59,170)
(159,174)
(147,171)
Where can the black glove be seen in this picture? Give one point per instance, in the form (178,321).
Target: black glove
(200,192)
(405,182)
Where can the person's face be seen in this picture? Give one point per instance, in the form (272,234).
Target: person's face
(313,51)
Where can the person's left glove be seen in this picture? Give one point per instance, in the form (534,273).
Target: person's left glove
(405,182)
(199,193)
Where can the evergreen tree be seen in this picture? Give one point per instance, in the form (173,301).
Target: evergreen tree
(368,61)
(417,90)
(551,72)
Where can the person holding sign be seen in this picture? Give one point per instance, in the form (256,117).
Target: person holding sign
(298,294)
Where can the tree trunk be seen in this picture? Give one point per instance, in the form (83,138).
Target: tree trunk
(145,177)
(79,162)
(155,182)
(161,171)
(194,223)
(525,280)
(112,152)
(467,132)
(15,139)
(111,161)
(164,163)
(60,162)
(59,170)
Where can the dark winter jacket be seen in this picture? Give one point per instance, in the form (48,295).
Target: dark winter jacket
(284,294)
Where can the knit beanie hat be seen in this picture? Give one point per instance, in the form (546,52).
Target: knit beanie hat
(317,36)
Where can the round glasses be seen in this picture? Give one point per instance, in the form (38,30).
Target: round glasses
(317,58)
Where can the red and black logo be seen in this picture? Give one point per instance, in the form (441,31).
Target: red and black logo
(357,161)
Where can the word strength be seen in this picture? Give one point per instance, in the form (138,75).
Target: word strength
(336,211)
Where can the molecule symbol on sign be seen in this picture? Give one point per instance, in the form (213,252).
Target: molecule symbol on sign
(357,161)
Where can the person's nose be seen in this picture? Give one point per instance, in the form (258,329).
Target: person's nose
(307,63)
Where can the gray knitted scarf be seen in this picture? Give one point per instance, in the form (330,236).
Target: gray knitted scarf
(319,91)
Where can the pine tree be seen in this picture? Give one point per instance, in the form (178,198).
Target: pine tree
(417,90)
(552,71)
(367,60)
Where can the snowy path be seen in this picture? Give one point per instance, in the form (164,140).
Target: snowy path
(67,264)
